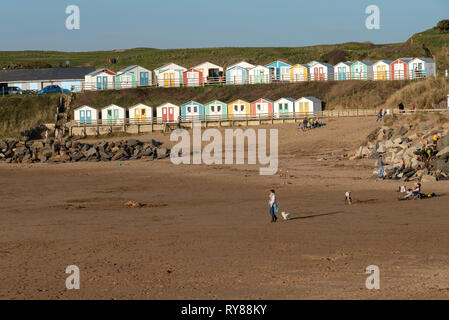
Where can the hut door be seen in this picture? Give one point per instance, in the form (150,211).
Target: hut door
(321,73)
(105,83)
(172,79)
(88,116)
(82,116)
(166,79)
(171,114)
(143,115)
(164,114)
(137,115)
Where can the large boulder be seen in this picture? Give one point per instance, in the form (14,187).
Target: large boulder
(444,153)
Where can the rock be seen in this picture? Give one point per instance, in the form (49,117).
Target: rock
(423,126)
(428,178)
(162,153)
(381,148)
(445,141)
(443,153)
(90,153)
(132,142)
(402,131)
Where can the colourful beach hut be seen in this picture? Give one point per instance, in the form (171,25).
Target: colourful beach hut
(169,75)
(306,106)
(299,72)
(101,79)
(211,72)
(192,78)
(216,110)
(167,112)
(239,109)
(260,74)
(421,68)
(133,76)
(262,108)
(382,70)
(284,108)
(342,70)
(86,115)
(238,73)
(140,113)
(192,110)
(362,70)
(321,71)
(113,114)
(399,69)
(280,70)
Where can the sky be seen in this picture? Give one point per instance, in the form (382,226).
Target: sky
(163,24)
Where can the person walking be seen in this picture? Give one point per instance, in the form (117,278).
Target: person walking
(46,136)
(379,115)
(273,205)
(380,164)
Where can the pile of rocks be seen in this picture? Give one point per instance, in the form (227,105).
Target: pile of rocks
(398,143)
(15,151)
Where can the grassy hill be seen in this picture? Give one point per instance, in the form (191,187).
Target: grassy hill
(428,43)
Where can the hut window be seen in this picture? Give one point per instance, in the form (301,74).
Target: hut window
(242,107)
(189,109)
(143,112)
(109,112)
(259,108)
(218,108)
(236,107)
(194,109)
(212,108)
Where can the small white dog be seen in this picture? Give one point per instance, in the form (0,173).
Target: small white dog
(286,216)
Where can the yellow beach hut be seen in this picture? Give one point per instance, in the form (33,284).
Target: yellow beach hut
(239,109)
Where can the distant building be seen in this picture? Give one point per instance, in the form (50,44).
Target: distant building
(299,72)
(211,72)
(101,79)
(399,69)
(238,73)
(362,70)
(421,68)
(36,79)
(342,70)
(192,78)
(169,75)
(321,71)
(260,74)
(307,106)
(382,70)
(280,70)
(132,77)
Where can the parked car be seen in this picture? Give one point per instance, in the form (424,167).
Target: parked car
(10,90)
(52,89)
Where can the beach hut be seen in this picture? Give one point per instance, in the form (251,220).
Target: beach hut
(306,106)
(133,76)
(321,71)
(192,110)
(86,115)
(216,110)
(140,113)
(260,74)
(262,108)
(399,69)
(211,72)
(238,73)
(421,68)
(362,70)
(113,114)
(382,70)
(167,112)
(342,70)
(169,75)
(239,109)
(192,78)
(280,70)
(101,79)
(299,72)
(284,108)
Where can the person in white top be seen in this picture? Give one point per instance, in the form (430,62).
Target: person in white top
(273,206)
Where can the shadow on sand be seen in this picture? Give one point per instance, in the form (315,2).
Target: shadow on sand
(316,215)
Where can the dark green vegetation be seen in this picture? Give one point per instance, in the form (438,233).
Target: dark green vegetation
(430,43)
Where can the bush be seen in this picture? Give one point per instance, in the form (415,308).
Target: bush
(443,26)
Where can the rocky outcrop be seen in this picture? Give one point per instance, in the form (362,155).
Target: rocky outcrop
(422,160)
(16,151)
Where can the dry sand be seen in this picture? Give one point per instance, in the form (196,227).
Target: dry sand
(213,239)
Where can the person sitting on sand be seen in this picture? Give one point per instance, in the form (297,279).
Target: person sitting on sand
(305,123)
